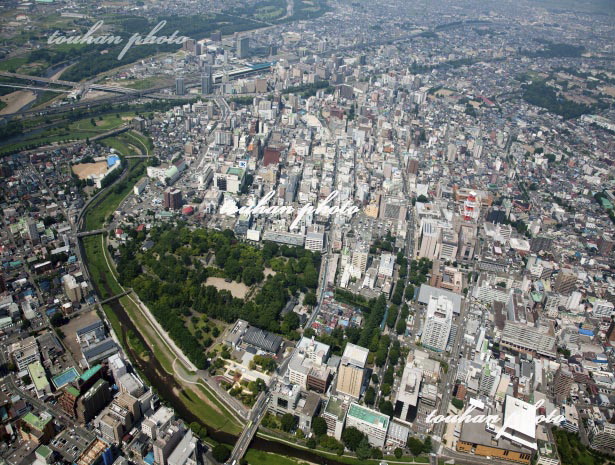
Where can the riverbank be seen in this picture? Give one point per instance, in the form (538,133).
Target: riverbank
(345,459)
(134,330)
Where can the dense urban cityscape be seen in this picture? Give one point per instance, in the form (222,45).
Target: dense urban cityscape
(287,232)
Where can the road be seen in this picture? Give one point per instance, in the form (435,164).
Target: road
(448,382)
(255,417)
(260,408)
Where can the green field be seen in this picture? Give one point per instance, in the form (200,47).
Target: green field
(258,457)
(128,143)
(101,124)
(146,83)
(121,144)
(78,130)
(13,64)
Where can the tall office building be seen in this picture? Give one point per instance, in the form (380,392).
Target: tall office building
(207,81)
(490,378)
(437,323)
(430,235)
(243,47)
(166,442)
(562,382)
(72,288)
(359,261)
(172,198)
(33,231)
(351,370)
(180,86)
(565,281)
(409,387)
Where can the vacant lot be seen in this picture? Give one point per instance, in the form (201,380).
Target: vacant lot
(16,100)
(85,170)
(238,290)
(70,332)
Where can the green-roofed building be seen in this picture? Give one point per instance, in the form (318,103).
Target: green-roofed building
(44,452)
(90,373)
(36,428)
(374,424)
(39,378)
(72,390)
(334,415)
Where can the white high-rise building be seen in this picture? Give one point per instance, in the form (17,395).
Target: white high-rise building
(374,424)
(359,261)
(437,323)
(430,235)
(409,387)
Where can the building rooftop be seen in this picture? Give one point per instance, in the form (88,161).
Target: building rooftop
(335,408)
(37,374)
(356,355)
(72,390)
(37,422)
(368,416)
(89,373)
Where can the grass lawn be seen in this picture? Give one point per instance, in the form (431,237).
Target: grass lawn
(128,143)
(98,267)
(46,97)
(79,130)
(144,143)
(258,457)
(120,144)
(12,64)
(146,83)
(207,413)
(107,123)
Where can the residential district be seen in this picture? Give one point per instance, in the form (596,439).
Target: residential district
(154,310)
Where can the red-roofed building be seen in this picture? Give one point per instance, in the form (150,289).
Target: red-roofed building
(271,156)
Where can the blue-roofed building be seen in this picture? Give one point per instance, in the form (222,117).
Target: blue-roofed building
(586,332)
(51,311)
(149,458)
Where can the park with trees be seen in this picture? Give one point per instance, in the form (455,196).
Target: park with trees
(170,277)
